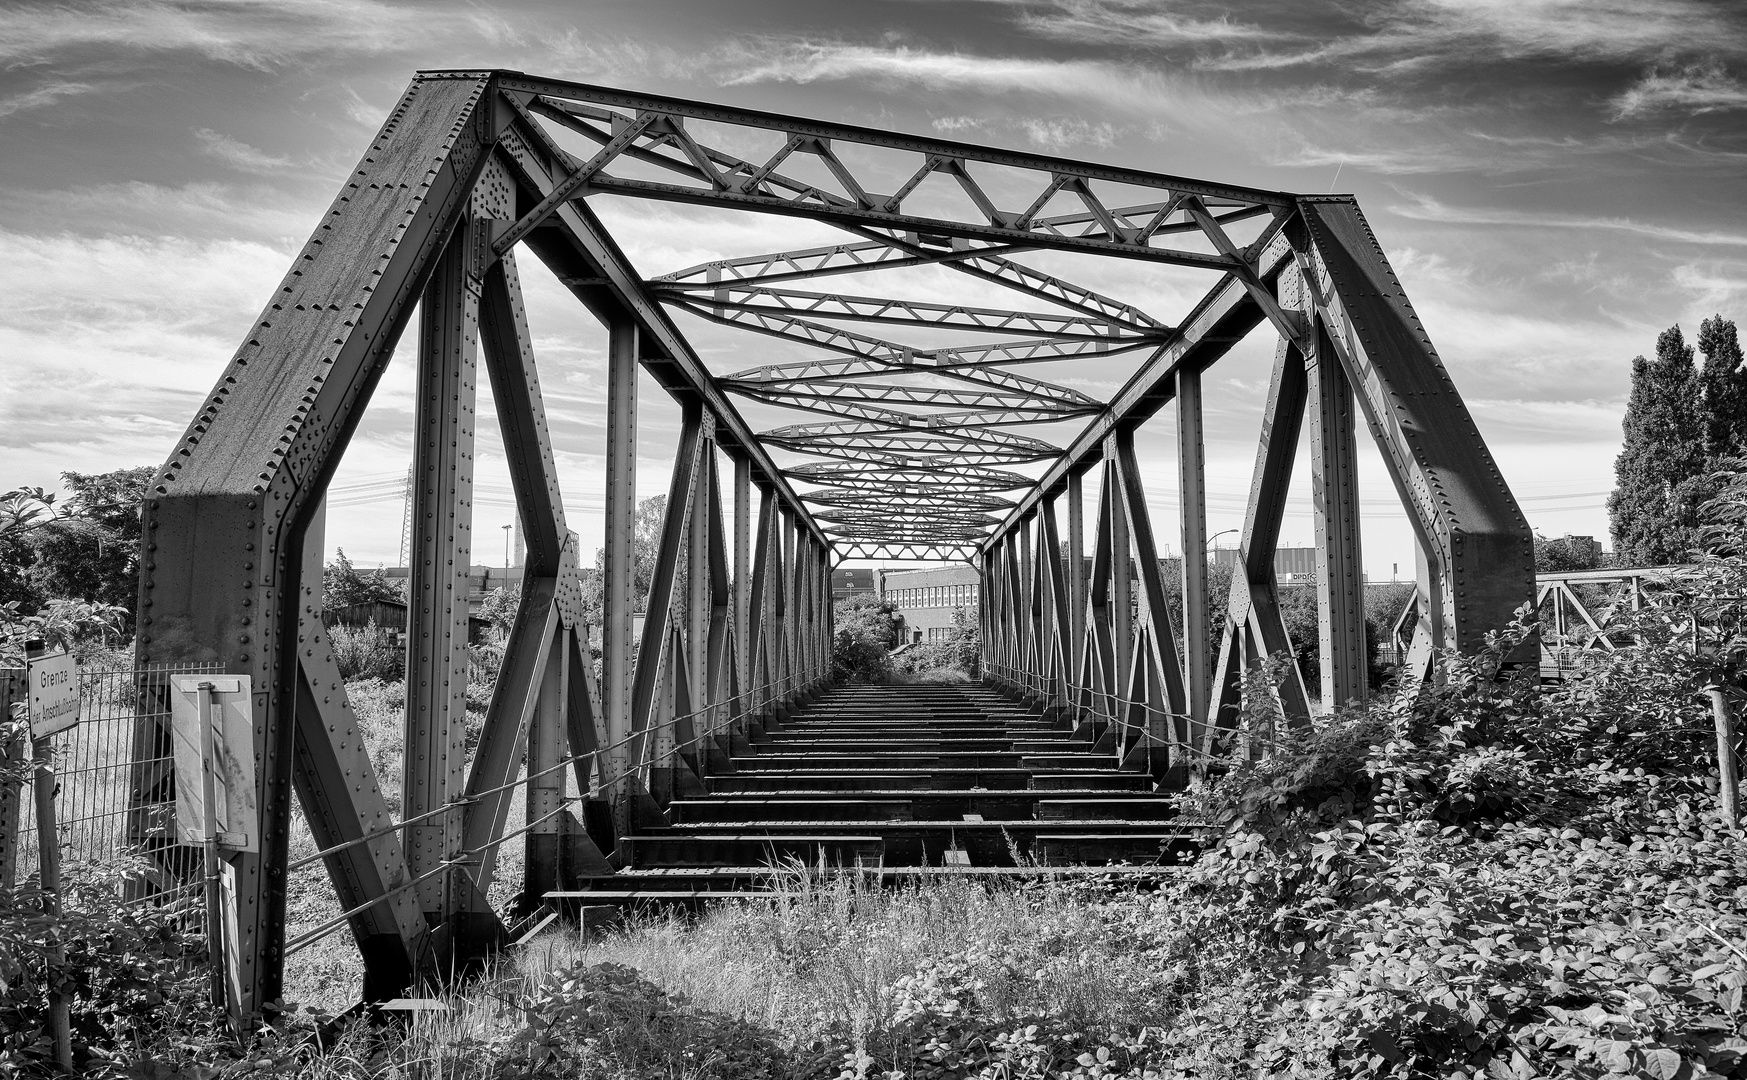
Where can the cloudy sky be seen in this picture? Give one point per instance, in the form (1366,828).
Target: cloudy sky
(1555,181)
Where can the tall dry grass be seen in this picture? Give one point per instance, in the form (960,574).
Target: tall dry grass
(827,965)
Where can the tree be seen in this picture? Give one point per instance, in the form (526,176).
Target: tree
(86,551)
(92,553)
(1723,381)
(1566,553)
(498,607)
(1218,596)
(645,546)
(343,585)
(23,511)
(1660,472)
(868,629)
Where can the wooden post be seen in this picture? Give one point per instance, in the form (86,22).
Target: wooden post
(48,848)
(205,717)
(11,690)
(1728,777)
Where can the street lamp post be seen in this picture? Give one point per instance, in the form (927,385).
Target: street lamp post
(506,546)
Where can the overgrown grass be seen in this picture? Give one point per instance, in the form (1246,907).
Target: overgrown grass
(829,977)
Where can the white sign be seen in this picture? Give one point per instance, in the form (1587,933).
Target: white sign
(54,695)
(224,701)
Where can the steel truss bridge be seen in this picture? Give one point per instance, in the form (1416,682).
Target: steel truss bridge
(924,451)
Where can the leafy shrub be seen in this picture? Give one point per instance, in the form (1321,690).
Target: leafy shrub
(367,652)
(136,972)
(867,630)
(81,627)
(606,1019)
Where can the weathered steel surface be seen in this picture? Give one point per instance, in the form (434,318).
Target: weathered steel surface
(223,522)
(918,462)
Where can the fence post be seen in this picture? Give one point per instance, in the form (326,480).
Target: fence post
(48,846)
(11,690)
(1729,781)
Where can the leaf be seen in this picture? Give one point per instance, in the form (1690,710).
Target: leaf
(1662,1064)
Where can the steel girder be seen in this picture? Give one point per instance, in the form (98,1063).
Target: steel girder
(469,166)
(232,554)
(1349,337)
(650,147)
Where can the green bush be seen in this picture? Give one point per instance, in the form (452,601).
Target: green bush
(367,652)
(607,1020)
(136,972)
(867,630)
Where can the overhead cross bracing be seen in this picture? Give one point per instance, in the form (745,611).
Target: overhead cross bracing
(932,425)
(885,189)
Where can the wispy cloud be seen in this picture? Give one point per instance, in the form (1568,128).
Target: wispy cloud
(123,333)
(261,34)
(1698,88)
(1428,209)
(204,210)
(46,94)
(807,61)
(1137,21)
(1408,35)
(954,125)
(238,154)
(1061,134)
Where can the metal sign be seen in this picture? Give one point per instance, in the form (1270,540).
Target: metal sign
(54,695)
(210,724)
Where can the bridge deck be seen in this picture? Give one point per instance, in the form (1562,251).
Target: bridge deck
(899,783)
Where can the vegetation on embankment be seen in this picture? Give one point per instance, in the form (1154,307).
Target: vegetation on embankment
(1474,877)
(1470,879)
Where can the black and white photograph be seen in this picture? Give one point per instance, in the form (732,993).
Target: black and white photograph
(873,540)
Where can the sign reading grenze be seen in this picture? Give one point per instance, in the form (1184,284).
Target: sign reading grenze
(54,695)
(220,703)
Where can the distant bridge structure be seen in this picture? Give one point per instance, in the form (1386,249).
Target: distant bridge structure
(931,451)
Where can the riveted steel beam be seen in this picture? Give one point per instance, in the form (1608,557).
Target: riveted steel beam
(1220,320)
(578,249)
(224,519)
(696,172)
(1473,534)
(719,297)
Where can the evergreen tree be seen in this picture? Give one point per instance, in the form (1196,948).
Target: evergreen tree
(1660,473)
(1724,382)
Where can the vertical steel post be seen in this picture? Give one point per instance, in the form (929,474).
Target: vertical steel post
(1025,638)
(985,604)
(791,622)
(437,660)
(1121,572)
(1076,580)
(743,585)
(1340,581)
(618,564)
(1192,488)
(542,850)
(697,596)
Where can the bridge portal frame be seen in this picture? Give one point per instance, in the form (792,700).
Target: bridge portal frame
(461,174)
